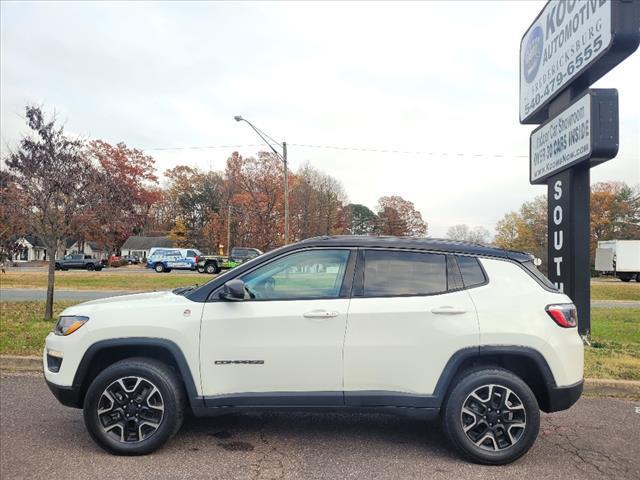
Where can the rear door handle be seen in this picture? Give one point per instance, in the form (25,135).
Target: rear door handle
(448,310)
(321,314)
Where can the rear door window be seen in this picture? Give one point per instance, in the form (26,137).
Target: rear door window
(397,273)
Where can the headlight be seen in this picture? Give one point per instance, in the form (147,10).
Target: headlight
(68,325)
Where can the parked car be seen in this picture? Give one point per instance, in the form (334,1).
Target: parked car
(81,261)
(215,263)
(131,259)
(474,335)
(166,259)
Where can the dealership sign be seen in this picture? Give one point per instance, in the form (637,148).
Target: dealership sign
(572,42)
(570,45)
(586,130)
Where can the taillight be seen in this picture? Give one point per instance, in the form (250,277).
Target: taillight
(564,315)
(197,259)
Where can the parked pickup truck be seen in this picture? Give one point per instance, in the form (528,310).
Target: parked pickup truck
(213,264)
(85,262)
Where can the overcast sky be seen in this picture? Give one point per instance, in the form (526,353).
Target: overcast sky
(439,78)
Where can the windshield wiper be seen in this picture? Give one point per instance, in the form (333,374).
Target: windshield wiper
(183,290)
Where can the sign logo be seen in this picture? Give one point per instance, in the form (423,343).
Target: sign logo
(533,54)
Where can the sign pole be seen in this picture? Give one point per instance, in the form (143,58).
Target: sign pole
(566,49)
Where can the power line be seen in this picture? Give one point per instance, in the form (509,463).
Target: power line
(350,149)
(205,147)
(341,148)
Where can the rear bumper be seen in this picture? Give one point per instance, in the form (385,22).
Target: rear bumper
(561,398)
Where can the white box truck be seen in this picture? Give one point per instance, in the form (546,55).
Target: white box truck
(619,257)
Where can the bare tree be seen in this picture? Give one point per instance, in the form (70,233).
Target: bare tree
(464,233)
(54,179)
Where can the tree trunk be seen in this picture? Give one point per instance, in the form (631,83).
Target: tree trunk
(48,309)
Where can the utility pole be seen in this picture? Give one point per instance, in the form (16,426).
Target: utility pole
(286,193)
(228,230)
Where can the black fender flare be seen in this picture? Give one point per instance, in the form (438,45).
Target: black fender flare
(84,366)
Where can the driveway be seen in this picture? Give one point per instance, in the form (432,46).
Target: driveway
(596,439)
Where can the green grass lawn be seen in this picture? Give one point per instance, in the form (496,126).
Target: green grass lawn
(23,328)
(615,350)
(102,280)
(615,291)
(615,340)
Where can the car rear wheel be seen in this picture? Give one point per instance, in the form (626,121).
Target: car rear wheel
(134,406)
(158,267)
(491,416)
(212,268)
(90,267)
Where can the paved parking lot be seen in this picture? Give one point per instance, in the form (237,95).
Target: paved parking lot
(597,439)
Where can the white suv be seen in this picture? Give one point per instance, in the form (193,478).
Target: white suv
(471,333)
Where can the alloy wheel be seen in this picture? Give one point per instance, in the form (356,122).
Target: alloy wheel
(493,417)
(130,409)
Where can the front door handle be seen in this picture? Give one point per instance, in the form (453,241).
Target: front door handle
(321,314)
(448,310)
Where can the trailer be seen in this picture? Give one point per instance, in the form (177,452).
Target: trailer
(620,258)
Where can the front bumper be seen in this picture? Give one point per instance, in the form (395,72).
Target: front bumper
(561,398)
(68,396)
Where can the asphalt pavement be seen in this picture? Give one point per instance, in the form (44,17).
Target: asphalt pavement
(597,439)
(26,294)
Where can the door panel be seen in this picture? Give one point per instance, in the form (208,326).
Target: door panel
(297,353)
(404,324)
(401,344)
(287,334)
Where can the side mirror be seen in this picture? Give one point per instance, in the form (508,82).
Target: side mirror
(233,290)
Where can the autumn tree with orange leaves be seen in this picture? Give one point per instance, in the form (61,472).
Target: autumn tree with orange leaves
(397,216)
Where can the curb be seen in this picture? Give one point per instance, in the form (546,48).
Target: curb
(18,363)
(599,387)
(592,386)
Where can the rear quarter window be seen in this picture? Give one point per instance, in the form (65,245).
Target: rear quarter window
(471,271)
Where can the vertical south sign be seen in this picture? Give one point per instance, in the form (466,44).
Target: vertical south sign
(559,224)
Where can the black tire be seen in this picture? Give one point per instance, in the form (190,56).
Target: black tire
(169,391)
(90,267)
(637,277)
(200,269)
(159,268)
(497,449)
(212,268)
(98,269)
(57,266)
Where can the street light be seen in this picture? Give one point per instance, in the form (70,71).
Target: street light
(283,158)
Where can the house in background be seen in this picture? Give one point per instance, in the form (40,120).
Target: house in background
(89,247)
(31,248)
(140,246)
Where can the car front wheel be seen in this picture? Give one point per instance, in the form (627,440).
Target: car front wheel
(134,406)
(491,416)
(159,267)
